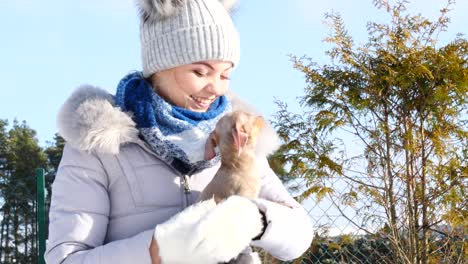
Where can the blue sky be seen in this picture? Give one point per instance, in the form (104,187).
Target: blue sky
(50,47)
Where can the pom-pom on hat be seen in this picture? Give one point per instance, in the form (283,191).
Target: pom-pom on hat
(179,32)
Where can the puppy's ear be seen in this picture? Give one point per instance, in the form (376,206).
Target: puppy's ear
(259,123)
(210,146)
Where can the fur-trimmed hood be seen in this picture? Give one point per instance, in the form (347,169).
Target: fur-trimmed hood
(89,121)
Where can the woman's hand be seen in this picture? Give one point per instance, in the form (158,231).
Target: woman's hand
(154,252)
(207,233)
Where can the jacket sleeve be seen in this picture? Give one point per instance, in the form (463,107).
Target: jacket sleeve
(79,216)
(289,231)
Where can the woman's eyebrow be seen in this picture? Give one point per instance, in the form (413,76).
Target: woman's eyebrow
(209,65)
(204,63)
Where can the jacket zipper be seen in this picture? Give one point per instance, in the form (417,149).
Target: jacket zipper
(187,189)
(184,179)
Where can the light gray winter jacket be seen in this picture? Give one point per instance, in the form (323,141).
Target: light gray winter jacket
(111,190)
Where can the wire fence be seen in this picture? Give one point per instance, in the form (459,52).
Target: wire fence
(343,232)
(355,230)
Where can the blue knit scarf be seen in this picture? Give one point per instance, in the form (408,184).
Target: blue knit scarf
(175,134)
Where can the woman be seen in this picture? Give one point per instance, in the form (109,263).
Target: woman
(134,165)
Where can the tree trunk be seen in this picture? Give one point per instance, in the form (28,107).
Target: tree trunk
(7,235)
(2,230)
(409,179)
(425,222)
(16,231)
(34,229)
(390,180)
(26,237)
(416,203)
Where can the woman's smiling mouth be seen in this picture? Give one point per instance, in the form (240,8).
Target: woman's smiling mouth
(202,102)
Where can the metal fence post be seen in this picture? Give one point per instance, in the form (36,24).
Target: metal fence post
(41,228)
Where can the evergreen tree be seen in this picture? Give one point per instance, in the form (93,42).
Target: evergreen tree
(23,155)
(403,97)
(54,152)
(4,210)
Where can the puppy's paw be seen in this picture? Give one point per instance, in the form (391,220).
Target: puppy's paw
(248,258)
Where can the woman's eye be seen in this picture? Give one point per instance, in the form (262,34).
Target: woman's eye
(199,73)
(225,77)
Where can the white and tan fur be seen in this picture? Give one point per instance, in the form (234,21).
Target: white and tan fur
(236,136)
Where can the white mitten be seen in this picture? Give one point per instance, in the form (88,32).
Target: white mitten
(206,233)
(288,231)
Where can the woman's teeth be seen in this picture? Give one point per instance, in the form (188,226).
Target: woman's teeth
(201,100)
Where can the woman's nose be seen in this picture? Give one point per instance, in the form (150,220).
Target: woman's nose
(216,88)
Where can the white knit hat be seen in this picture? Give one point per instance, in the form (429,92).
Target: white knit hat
(178,32)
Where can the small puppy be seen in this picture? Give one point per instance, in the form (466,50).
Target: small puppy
(235,136)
